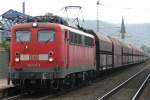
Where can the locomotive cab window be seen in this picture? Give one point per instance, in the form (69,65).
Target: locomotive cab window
(23,36)
(46,35)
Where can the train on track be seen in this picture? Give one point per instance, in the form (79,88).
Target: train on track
(54,55)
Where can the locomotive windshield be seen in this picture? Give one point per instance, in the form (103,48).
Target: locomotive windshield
(46,35)
(23,36)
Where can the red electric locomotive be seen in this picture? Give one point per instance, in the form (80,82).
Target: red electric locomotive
(53,55)
(50,54)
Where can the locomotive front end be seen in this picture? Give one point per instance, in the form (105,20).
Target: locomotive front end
(35,57)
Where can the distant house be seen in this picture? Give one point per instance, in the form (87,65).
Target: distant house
(1,28)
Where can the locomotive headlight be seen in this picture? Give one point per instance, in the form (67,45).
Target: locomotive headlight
(50,59)
(34,24)
(17,59)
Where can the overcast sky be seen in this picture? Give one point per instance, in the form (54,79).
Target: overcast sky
(134,11)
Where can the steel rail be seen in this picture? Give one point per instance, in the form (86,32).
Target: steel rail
(15,97)
(44,97)
(52,95)
(11,98)
(141,88)
(111,92)
(62,92)
(5,91)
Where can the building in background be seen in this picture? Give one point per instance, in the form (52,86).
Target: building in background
(123,30)
(8,19)
(1,31)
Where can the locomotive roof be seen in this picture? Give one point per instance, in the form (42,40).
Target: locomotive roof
(77,31)
(47,24)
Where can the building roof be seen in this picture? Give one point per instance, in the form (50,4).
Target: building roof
(15,15)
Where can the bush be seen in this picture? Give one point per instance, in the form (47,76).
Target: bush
(7,45)
(0,45)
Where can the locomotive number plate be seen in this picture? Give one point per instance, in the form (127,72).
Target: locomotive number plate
(33,65)
(34,57)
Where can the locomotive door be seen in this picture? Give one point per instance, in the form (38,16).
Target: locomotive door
(34,46)
(67,48)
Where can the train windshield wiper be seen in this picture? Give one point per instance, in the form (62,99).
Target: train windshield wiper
(48,40)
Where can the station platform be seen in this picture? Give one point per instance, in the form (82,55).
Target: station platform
(3,84)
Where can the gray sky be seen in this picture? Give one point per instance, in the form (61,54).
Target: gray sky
(134,11)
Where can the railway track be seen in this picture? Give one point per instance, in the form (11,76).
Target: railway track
(11,94)
(10,91)
(55,95)
(34,95)
(141,88)
(14,93)
(58,93)
(145,94)
(46,97)
(21,95)
(129,89)
(15,97)
(49,95)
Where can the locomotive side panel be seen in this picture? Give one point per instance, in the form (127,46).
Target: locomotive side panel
(81,52)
